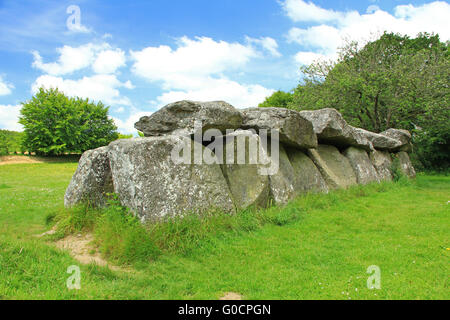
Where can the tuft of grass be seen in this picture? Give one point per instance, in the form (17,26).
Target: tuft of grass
(121,237)
(81,218)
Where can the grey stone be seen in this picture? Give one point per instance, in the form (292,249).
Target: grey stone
(154,186)
(92,179)
(242,167)
(332,129)
(180,118)
(282,182)
(405,164)
(362,166)
(334,167)
(382,162)
(379,141)
(294,130)
(307,176)
(404,136)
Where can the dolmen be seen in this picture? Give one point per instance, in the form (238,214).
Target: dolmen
(196,157)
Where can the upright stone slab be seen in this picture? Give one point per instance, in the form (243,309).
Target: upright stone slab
(332,129)
(334,167)
(404,136)
(92,179)
(153,182)
(294,130)
(406,165)
(382,162)
(362,166)
(307,176)
(181,118)
(282,181)
(242,169)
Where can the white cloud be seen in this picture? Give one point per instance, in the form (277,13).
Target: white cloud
(5,88)
(199,57)
(9,117)
(328,36)
(100,57)
(97,87)
(194,70)
(127,126)
(324,38)
(308,57)
(267,43)
(302,11)
(109,61)
(238,95)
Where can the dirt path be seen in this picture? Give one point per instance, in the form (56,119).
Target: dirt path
(13,159)
(19,159)
(81,248)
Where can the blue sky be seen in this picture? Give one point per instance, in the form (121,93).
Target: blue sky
(137,56)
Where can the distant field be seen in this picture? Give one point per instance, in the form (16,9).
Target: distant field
(403,228)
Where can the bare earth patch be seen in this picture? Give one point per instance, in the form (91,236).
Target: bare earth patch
(27,159)
(19,159)
(80,247)
(231,296)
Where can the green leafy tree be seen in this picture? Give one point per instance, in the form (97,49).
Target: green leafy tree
(55,124)
(10,142)
(125,136)
(389,82)
(278,99)
(393,82)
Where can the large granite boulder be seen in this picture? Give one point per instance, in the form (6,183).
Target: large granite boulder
(294,130)
(182,118)
(404,136)
(332,129)
(379,141)
(362,166)
(307,176)
(155,184)
(405,164)
(244,162)
(382,162)
(334,167)
(92,179)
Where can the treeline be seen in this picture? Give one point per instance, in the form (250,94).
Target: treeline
(10,142)
(393,82)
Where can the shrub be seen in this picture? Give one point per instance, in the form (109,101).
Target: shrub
(55,124)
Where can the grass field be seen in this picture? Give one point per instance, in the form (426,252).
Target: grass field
(323,254)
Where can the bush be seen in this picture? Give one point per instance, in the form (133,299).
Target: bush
(55,124)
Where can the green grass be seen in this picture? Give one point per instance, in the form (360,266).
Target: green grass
(317,247)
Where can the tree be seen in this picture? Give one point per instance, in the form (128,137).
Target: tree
(10,141)
(393,82)
(55,124)
(278,99)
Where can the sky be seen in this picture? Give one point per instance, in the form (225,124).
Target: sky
(137,56)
